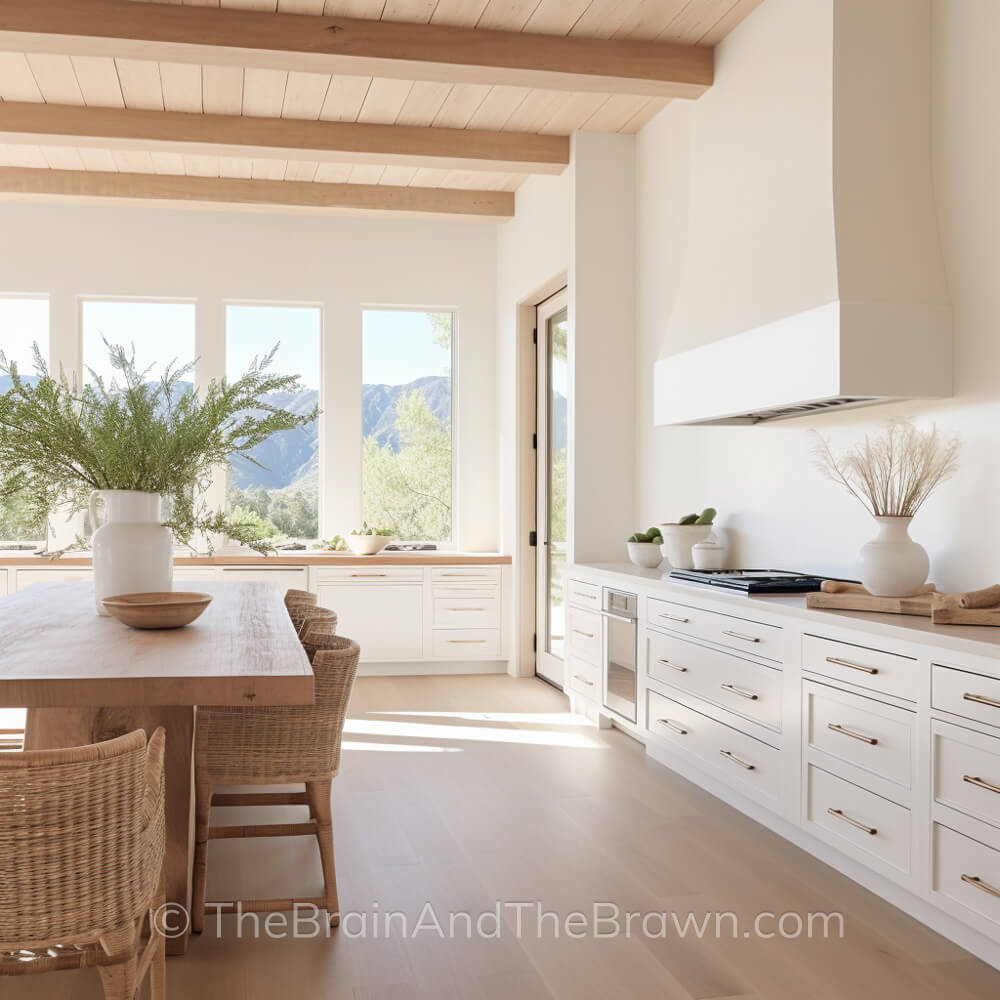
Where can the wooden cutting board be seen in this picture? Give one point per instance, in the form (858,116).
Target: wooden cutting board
(860,600)
(948,615)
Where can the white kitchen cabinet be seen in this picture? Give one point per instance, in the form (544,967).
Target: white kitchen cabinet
(26,577)
(3,582)
(284,577)
(386,618)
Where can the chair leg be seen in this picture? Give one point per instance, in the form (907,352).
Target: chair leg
(203,809)
(319,796)
(158,966)
(119,980)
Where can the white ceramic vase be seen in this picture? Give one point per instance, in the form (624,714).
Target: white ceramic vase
(133,553)
(892,563)
(677,542)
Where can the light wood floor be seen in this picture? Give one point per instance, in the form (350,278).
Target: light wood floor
(465,790)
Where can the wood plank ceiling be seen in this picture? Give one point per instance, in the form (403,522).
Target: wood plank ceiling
(79,78)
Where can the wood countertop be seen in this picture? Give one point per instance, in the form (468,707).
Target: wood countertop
(285,559)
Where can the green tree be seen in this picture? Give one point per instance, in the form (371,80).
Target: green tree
(409,491)
(252,523)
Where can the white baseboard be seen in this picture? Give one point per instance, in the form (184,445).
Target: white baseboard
(422,668)
(945,925)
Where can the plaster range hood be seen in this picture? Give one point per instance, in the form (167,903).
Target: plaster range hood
(811,277)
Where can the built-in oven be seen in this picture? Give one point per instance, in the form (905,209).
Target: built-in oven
(620,611)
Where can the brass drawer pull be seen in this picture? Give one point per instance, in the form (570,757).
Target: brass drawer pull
(742,692)
(370,575)
(740,635)
(980,699)
(465,642)
(673,666)
(729,755)
(977,883)
(465,609)
(870,740)
(840,814)
(674,618)
(853,666)
(979,783)
(583,680)
(586,635)
(670,724)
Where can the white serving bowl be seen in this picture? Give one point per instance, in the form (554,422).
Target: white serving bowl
(367,545)
(677,542)
(645,554)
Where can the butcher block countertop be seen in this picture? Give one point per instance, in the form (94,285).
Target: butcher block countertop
(308,557)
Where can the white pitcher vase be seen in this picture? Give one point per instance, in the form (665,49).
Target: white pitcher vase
(133,553)
(892,563)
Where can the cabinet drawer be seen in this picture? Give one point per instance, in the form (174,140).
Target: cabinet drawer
(584,595)
(739,685)
(26,577)
(726,630)
(860,731)
(875,669)
(858,822)
(966,771)
(967,873)
(467,612)
(584,635)
(583,678)
(961,693)
(451,576)
(373,573)
(465,643)
(752,767)
(285,578)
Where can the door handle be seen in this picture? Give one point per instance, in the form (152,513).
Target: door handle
(670,724)
(870,740)
(742,692)
(673,666)
(740,635)
(841,815)
(980,699)
(979,783)
(729,755)
(853,666)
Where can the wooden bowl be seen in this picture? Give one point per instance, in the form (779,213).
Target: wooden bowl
(173,609)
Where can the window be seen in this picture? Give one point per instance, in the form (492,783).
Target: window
(161,332)
(407,404)
(24,323)
(282,491)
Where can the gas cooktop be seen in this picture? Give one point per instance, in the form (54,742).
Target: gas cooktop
(752,581)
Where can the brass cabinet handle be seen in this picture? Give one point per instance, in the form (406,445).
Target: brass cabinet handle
(673,666)
(977,883)
(465,642)
(673,618)
(586,635)
(729,755)
(742,692)
(368,574)
(853,666)
(584,594)
(465,609)
(870,740)
(979,783)
(980,699)
(583,680)
(670,724)
(840,814)
(740,635)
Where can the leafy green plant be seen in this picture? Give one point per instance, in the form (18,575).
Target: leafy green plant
(365,530)
(707,516)
(652,535)
(59,441)
(336,544)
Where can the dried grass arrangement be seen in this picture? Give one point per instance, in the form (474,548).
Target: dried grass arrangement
(892,474)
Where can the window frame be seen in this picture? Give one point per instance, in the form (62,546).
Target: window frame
(45,297)
(451,544)
(321,432)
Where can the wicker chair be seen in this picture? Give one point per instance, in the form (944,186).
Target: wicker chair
(81,862)
(293,596)
(276,746)
(303,615)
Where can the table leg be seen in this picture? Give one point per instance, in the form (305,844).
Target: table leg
(50,728)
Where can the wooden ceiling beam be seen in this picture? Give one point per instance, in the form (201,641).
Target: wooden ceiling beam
(480,206)
(282,138)
(333,44)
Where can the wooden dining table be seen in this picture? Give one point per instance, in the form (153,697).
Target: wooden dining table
(86,678)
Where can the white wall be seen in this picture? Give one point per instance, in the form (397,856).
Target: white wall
(343,263)
(776,508)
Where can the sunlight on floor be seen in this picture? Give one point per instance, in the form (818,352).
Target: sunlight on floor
(532,718)
(398,747)
(472,734)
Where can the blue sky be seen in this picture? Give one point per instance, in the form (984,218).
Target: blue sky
(23,322)
(398,344)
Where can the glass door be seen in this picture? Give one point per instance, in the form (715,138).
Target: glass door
(552,433)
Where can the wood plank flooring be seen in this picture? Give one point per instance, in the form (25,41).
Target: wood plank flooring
(461,791)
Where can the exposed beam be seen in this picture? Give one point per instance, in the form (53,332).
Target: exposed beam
(333,44)
(282,138)
(484,206)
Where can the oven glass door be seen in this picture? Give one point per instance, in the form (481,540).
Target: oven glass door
(620,693)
